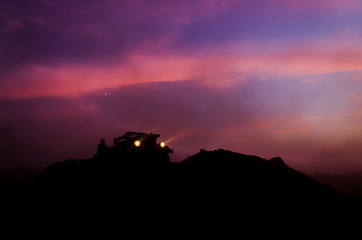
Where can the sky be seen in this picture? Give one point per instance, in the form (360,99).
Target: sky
(266,77)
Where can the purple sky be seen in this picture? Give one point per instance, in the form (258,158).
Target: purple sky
(267,77)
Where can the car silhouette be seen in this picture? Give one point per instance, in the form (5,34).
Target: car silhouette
(142,142)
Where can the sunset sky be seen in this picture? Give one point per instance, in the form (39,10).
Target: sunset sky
(261,77)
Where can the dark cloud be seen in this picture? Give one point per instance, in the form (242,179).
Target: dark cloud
(261,21)
(83,32)
(55,32)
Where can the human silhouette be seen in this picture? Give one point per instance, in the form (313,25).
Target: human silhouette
(102,147)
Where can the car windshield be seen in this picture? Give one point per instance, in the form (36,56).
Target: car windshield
(131,135)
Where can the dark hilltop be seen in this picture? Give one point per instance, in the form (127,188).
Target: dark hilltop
(208,184)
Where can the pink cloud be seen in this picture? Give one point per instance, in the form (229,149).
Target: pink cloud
(217,68)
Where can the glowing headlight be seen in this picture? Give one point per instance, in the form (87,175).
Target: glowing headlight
(163,144)
(137,143)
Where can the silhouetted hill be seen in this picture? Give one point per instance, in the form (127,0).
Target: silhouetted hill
(208,185)
(211,176)
(256,177)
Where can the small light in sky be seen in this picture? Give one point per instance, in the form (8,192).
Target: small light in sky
(105,94)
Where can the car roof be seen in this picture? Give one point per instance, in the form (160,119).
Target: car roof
(130,135)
